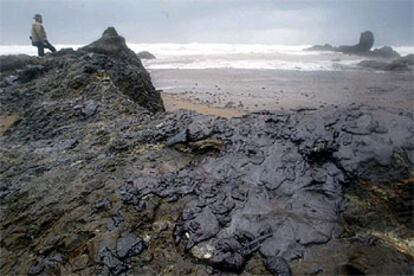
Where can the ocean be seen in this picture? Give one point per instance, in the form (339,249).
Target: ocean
(231,56)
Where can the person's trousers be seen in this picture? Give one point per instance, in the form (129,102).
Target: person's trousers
(41,47)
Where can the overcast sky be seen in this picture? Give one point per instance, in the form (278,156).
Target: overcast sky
(216,21)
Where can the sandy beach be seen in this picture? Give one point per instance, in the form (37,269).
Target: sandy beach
(231,92)
(174,102)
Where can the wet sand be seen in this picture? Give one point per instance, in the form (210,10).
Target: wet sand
(6,122)
(211,91)
(173,102)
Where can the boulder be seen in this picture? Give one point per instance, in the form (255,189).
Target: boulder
(145,55)
(385,52)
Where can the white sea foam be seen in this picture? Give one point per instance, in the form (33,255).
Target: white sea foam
(242,56)
(237,56)
(404,50)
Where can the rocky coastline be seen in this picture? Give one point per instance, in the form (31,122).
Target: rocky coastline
(362,48)
(96,178)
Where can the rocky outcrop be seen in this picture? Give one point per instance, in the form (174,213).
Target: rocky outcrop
(107,59)
(145,55)
(127,72)
(366,41)
(401,64)
(110,44)
(384,52)
(363,48)
(93,182)
(14,62)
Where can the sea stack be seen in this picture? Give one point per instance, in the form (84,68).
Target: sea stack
(363,48)
(366,41)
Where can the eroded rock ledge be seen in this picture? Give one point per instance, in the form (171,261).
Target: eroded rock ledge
(95,181)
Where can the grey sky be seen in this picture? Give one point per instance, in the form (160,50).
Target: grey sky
(221,21)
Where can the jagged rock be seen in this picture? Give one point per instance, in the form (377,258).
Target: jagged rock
(228,255)
(111,263)
(10,80)
(129,245)
(145,55)
(110,44)
(46,264)
(200,129)
(126,71)
(181,137)
(87,109)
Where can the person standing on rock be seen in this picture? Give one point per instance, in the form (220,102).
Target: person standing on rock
(39,38)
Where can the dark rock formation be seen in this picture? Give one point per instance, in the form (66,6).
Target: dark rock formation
(127,73)
(286,169)
(15,62)
(366,41)
(89,186)
(278,266)
(110,44)
(145,55)
(401,64)
(384,52)
(363,48)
